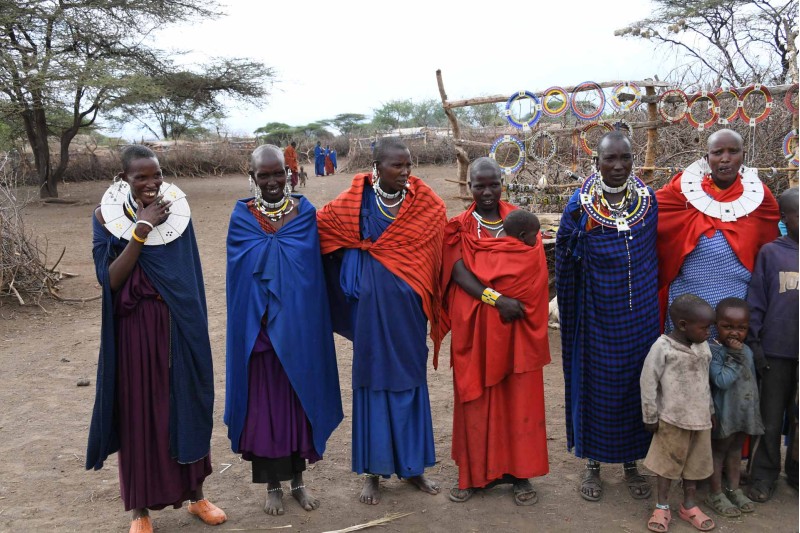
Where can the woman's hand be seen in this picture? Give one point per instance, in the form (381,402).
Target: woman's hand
(155,213)
(509,309)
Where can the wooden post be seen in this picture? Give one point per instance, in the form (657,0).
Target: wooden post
(461,155)
(652,134)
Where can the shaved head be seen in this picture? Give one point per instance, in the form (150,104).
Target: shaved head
(788,200)
(263,151)
(726,133)
(484,163)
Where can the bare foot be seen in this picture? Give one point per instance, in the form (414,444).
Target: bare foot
(371,493)
(274,504)
(424,484)
(304,498)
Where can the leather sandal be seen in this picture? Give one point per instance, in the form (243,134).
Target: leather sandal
(207,512)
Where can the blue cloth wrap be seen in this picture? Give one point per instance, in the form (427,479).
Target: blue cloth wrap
(280,274)
(174,270)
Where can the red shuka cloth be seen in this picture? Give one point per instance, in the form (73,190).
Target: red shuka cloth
(498,416)
(680,226)
(290,158)
(410,248)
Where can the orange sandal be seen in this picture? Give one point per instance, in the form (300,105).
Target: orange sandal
(207,512)
(697,518)
(141,525)
(659,520)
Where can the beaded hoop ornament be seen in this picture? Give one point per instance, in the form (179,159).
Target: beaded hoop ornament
(662,101)
(537,110)
(733,115)
(508,139)
(544,137)
(585,135)
(552,94)
(621,124)
(692,189)
(574,104)
(757,88)
(625,104)
(591,189)
(790,147)
(713,107)
(121,221)
(788,99)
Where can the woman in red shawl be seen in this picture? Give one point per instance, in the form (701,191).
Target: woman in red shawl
(496,305)
(712,219)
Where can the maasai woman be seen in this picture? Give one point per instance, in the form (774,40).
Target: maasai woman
(329,170)
(607,296)
(390,225)
(282,398)
(712,222)
(155,383)
(319,160)
(495,303)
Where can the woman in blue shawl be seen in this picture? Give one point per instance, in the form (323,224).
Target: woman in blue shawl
(282,398)
(155,383)
(319,159)
(607,283)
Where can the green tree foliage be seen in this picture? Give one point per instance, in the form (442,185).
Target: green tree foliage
(409,114)
(177,103)
(726,42)
(279,133)
(62,62)
(347,123)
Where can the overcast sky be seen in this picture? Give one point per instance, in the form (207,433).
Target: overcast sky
(353,56)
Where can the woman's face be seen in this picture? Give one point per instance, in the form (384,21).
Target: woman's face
(615,161)
(486,188)
(270,177)
(725,155)
(394,169)
(145,178)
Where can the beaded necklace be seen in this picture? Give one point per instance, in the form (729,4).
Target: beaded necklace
(380,193)
(285,208)
(491,225)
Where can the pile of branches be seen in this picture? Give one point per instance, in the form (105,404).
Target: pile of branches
(23,274)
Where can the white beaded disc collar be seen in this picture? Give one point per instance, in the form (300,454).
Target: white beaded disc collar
(750,199)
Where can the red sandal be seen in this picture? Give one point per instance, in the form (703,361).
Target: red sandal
(659,520)
(697,518)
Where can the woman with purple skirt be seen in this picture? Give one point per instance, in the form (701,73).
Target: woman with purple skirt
(155,386)
(282,398)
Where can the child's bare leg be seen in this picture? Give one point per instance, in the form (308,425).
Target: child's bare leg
(689,491)
(733,461)
(663,484)
(139,513)
(719,451)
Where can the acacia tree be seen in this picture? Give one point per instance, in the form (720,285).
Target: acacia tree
(63,61)
(728,42)
(175,102)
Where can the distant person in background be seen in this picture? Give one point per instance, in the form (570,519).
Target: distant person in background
(319,160)
(328,162)
(290,155)
(333,159)
(303,177)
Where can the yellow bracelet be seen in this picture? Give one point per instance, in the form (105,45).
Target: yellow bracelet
(490,296)
(136,237)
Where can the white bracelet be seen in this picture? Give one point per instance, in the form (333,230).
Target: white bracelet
(146,223)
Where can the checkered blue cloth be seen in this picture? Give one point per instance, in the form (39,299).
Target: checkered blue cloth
(711,271)
(607,288)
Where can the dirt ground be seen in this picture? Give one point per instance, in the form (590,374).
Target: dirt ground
(45,417)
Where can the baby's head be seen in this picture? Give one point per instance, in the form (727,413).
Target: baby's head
(692,318)
(733,320)
(523,225)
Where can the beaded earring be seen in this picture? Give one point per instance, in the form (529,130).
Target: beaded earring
(375,177)
(287,190)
